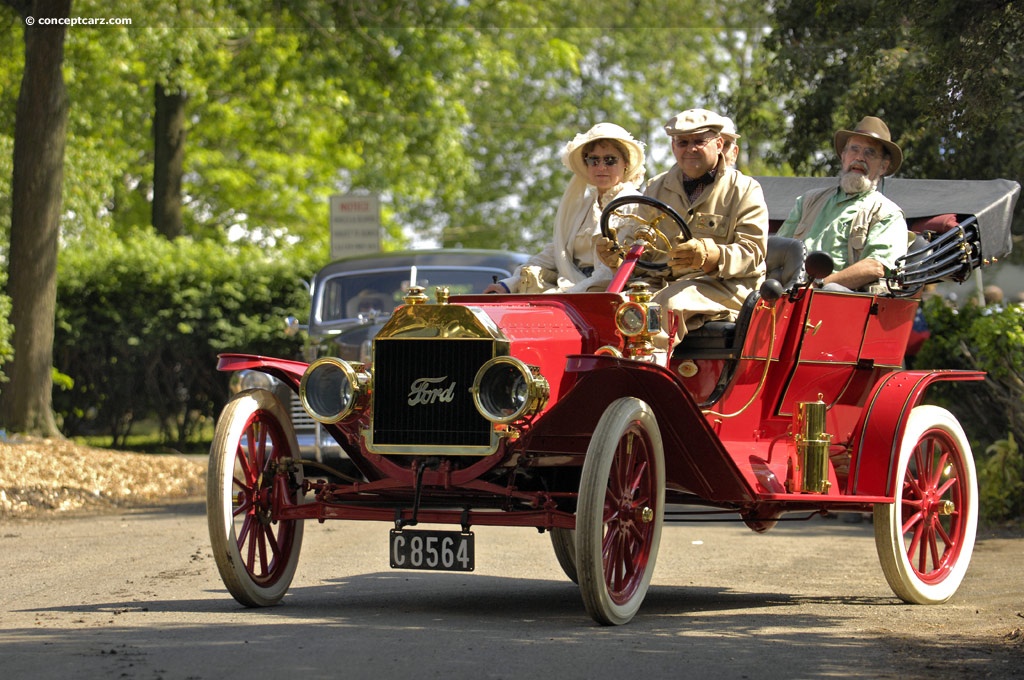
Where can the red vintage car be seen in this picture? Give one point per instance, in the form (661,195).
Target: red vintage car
(546,411)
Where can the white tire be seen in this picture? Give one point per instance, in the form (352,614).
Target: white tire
(620,511)
(926,537)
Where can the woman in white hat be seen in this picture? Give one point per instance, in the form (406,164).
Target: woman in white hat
(606,162)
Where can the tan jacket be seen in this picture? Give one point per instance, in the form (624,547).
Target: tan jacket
(733,212)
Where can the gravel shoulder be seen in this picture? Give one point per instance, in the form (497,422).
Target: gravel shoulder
(57,477)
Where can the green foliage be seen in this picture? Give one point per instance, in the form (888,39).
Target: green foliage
(455,113)
(287,103)
(140,323)
(944,74)
(544,72)
(6,331)
(1002,481)
(12,63)
(987,339)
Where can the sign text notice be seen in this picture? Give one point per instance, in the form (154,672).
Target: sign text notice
(355,225)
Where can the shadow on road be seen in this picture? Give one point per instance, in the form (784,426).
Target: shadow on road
(445,625)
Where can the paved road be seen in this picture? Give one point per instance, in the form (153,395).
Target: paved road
(137,595)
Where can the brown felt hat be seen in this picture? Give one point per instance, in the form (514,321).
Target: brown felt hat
(869,126)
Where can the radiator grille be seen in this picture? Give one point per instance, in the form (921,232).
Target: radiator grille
(421,392)
(301,420)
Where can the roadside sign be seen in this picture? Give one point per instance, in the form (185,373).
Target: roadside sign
(355,224)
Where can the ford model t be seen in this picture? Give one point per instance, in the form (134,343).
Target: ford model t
(547,411)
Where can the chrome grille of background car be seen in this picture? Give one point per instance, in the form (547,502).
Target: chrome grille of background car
(399,363)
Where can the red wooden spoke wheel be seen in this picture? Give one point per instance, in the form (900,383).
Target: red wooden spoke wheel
(925,539)
(620,512)
(255,553)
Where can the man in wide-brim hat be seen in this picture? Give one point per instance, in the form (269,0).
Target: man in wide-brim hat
(875,129)
(863,231)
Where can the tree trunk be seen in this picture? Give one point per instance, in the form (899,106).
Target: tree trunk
(36,203)
(169,155)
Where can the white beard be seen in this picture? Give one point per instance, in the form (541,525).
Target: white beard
(856,183)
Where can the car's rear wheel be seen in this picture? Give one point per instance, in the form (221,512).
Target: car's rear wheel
(255,553)
(620,511)
(926,537)
(564,543)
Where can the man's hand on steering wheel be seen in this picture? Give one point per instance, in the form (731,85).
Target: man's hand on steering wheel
(698,253)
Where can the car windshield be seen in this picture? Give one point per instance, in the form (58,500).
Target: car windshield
(367,293)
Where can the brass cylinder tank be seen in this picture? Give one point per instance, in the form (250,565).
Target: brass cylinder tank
(812,446)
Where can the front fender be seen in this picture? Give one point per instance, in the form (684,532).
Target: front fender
(695,458)
(875,446)
(288,371)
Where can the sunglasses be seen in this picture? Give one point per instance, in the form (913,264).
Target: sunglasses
(609,161)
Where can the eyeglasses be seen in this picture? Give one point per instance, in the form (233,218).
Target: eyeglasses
(697,144)
(868,152)
(609,161)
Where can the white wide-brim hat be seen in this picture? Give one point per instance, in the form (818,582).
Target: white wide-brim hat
(572,154)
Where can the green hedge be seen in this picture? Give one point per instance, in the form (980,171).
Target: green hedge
(989,339)
(140,323)
(6,330)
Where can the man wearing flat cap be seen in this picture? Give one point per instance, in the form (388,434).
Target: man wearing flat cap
(713,273)
(863,231)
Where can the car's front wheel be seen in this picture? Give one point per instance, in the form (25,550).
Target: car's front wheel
(620,511)
(256,554)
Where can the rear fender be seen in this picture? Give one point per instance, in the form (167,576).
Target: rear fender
(285,370)
(876,440)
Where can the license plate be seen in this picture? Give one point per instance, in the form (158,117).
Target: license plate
(432,550)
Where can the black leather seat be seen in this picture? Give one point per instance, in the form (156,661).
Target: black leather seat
(784,262)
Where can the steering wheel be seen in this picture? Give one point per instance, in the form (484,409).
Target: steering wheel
(656,244)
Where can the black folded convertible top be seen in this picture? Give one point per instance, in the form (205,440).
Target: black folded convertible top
(990,201)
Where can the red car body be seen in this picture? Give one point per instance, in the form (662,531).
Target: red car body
(801,406)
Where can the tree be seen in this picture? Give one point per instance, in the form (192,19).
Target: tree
(168,160)
(944,74)
(285,104)
(546,71)
(36,199)
(453,112)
